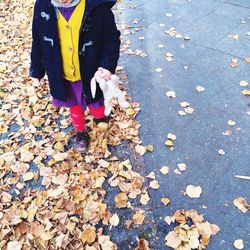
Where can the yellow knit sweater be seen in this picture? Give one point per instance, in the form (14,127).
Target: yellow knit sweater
(69,38)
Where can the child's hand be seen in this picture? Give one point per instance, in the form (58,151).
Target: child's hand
(105,74)
(36,82)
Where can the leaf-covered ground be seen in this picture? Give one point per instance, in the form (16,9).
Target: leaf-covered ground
(55,198)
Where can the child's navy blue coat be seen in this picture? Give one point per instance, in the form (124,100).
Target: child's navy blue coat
(99,45)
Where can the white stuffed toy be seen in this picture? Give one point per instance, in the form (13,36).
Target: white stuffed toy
(110,89)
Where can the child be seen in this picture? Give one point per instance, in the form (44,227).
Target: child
(72,39)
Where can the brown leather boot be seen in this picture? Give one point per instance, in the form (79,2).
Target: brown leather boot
(82,141)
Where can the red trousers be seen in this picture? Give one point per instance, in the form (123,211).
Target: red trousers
(77,116)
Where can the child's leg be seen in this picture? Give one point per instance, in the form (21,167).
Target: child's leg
(77,116)
(98,113)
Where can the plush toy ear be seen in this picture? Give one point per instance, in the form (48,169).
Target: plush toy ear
(93,87)
(103,85)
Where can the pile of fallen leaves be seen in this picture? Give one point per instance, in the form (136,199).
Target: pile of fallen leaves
(192,233)
(52,196)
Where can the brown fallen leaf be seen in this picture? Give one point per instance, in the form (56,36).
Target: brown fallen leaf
(247,59)
(3,128)
(142,245)
(242,204)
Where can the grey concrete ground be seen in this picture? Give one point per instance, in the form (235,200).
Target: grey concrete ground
(207,55)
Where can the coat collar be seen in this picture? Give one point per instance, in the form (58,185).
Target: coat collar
(94,3)
(91,4)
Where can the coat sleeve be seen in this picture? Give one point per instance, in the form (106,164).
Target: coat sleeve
(111,41)
(36,68)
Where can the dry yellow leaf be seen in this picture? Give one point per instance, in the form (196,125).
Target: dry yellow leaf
(149,147)
(239,244)
(14,245)
(215,229)
(182,113)
(235,37)
(141,150)
(171,136)
(231,123)
(169,219)
(31,214)
(130,111)
(138,217)
(3,68)
(165,201)
(144,198)
(204,229)
(243,83)
(168,54)
(172,240)
(103,163)
(194,242)
(171,94)
(59,146)
(105,243)
(1,162)
(164,170)
(151,175)
(200,88)
(193,192)
(119,68)
(246,92)
(154,184)
(26,155)
(182,166)
(89,235)
(169,143)
(177,171)
(103,126)
(54,193)
(121,200)
(28,176)
(158,70)
(189,110)
(184,104)
(90,248)
(3,128)
(247,59)
(221,152)
(234,63)
(114,220)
